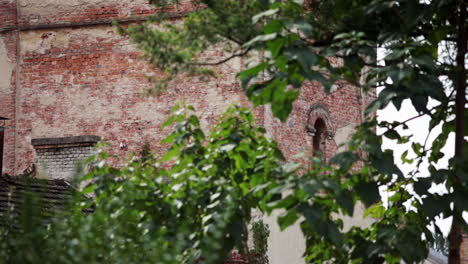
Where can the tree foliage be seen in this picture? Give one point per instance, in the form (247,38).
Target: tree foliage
(423,46)
(196,208)
(194,211)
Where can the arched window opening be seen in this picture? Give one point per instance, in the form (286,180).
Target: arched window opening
(319,138)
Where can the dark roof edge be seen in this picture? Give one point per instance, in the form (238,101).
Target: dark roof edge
(22,180)
(90,139)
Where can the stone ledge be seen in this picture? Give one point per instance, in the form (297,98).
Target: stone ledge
(61,141)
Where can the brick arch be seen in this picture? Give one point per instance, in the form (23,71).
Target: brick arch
(319,111)
(321,130)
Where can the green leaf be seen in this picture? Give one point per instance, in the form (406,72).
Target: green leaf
(404,158)
(171,153)
(275,46)
(346,201)
(287,219)
(267,13)
(250,73)
(373,107)
(274,26)
(422,185)
(392,134)
(344,159)
(433,205)
(303,55)
(283,203)
(89,189)
(311,187)
(312,213)
(417,148)
(261,38)
(302,26)
(385,164)
(375,211)
(368,192)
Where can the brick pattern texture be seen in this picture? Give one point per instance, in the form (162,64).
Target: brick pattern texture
(464,249)
(62,162)
(7,14)
(64,72)
(83,79)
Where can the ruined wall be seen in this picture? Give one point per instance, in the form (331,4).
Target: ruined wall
(73,12)
(64,72)
(84,79)
(89,81)
(8,14)
(343,113)
(8,73)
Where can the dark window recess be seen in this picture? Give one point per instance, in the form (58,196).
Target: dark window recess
(319,137)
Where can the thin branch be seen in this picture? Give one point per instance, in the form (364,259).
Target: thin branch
(418,116)
(240,54)
(238,42)
(411,119)
(365,63)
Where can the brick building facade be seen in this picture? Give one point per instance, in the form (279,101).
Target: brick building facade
(66,75)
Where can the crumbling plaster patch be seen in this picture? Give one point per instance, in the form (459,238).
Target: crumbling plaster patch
(105,89)
(285,246)
(41,41)
(343,134)
(42,7)
(64,3)
(6,68)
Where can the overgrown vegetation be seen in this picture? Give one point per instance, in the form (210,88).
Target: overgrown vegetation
(196,208)
(260,233)
(424,52)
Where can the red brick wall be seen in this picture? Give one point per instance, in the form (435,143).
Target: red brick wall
(8,59)
(464,249)
(8,97)
(7,14)
(344,107)
(47,12)
(88,81)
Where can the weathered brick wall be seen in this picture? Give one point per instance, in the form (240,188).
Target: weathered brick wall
(61,163)
(69,74)
(7,14)
(63,158)
(464,249)
(66,12)
(87,80)
(344,106)
(8,71)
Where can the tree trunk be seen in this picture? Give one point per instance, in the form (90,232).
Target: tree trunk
(455,236)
